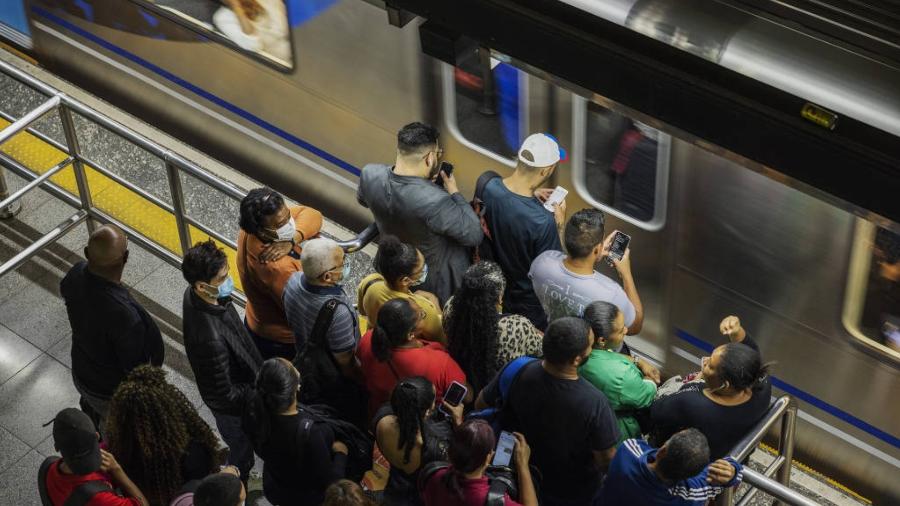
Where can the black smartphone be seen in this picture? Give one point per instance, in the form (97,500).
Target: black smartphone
(454,395)
(619,245)
(446,168)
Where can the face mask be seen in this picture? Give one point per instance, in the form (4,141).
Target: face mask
(286,232)
(225,289)
(345,272)
(422,277)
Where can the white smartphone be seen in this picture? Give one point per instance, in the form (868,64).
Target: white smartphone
(558,195)
(454,395)
(505,447)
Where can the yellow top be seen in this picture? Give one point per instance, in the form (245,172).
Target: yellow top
(373,292)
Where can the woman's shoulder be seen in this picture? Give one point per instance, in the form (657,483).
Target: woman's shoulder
(518,325)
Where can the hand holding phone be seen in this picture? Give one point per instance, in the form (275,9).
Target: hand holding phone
(505,448)
(558,195)
(454,396)
(619,244)
(446,168)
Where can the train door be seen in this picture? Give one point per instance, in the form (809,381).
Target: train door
(14,23)
(490,103)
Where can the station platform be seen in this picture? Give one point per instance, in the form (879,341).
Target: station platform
(35,338)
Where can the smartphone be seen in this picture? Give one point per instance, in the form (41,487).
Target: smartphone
(446,168)
(558,195)
(454,395)
(619,245)
(505,447)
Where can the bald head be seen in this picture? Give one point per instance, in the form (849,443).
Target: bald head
(107,250)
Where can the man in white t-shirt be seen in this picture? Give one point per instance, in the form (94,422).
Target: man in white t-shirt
(566,284)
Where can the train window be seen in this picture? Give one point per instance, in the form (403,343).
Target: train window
(486,105)
(258,27)
(620,165)
(872,305)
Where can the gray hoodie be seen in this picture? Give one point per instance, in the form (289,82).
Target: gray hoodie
(443,227)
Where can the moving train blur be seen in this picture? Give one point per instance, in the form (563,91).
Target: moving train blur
(750,151)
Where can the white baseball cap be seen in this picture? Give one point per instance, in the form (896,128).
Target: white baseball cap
(541,150)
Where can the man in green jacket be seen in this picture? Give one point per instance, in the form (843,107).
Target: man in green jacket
(628,383)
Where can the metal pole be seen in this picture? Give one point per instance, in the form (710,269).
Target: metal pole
(32,116)
(775,489)
(184,234)
(786,445)
(43,177)
(44,241)
(9,210)
(84,191)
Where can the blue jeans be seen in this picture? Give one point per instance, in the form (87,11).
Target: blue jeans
(240,450)
(269,348)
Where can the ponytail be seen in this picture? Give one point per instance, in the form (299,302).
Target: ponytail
(276,388)
(411,399)
(396,320)
(601,315)
(741,366)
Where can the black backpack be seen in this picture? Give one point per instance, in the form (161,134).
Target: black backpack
(485,250)
(80,496)
(501,480)
(359,442)
(314,360)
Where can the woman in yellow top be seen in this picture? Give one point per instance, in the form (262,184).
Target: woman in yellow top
(400,267)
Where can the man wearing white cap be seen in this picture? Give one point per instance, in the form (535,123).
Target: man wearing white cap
(521,227)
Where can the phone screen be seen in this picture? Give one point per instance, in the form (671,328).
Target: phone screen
(619,245)
(455,393)
(505,447)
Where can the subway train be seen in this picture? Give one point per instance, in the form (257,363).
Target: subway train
(722,221)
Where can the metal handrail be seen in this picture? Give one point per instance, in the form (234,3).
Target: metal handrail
(175,165)
(783,410)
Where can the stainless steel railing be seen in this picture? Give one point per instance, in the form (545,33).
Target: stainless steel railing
(175,166)
(783,410)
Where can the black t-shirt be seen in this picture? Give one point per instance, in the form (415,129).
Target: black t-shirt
(723,426)
(521,229)
(564,421)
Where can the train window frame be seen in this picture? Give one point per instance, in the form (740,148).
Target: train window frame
(579,176)
(184,21)
(448,90)
(857,284)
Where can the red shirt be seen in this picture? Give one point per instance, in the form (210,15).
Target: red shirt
(431,361)
(475,492)
(60,486)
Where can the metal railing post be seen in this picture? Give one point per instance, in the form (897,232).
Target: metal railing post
(10,210)
(786,445)
(84,192)
(177,192)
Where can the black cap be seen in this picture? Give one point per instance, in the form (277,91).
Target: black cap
(75,437)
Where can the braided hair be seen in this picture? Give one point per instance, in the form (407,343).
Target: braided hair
(150,426)
(277,385)
(472,324)
(410,401)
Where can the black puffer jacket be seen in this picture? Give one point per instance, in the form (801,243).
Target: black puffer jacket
(222,355)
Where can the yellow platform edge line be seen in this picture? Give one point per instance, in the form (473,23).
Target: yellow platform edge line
(805,468)
(18,53)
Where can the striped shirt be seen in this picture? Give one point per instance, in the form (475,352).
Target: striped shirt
(631,481)
(302,303)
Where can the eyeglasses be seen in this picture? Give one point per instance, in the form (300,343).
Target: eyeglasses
(336,267)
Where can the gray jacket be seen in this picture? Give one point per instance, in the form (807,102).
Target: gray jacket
(444,227)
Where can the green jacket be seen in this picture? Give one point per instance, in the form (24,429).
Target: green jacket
(623,384)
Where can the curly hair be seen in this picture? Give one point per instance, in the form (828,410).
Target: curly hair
(149,429)
(256,206)
(472,323)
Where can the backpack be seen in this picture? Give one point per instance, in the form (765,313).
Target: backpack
(359,442)
(80,496)
(314,360)
(485,250)
(507,377)
(501,481)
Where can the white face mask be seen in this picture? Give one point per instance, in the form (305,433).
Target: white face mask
(286,232)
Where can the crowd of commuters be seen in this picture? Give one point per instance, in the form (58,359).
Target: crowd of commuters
(534,345)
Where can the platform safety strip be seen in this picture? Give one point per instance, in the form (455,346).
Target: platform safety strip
(155,223)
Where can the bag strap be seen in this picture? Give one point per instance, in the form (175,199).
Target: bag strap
(482,181)
(429,470)
(498,488)
(510,373)
(365,288)
(42,479)
(86,491)
(323,322)
(390,364)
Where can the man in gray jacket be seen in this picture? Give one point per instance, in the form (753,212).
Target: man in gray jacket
(408,204)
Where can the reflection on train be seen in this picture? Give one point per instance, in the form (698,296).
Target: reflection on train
(711,233)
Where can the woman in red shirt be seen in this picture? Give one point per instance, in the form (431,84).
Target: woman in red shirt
(464,483)
(391,352)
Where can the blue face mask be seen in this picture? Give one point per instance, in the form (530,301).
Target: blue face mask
(226,288)
(345,272)
(422,278)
